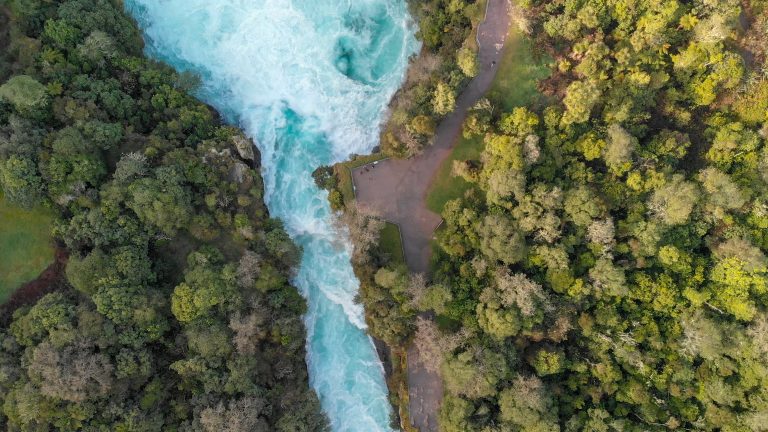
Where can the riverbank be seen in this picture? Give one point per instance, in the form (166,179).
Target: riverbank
(395,190)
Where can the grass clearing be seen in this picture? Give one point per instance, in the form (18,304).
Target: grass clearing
(26,247)
(445,186)
(520,69)
(391,243)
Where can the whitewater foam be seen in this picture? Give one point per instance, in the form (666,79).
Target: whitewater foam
(309,80)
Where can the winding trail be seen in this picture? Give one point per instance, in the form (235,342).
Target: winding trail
(397,189)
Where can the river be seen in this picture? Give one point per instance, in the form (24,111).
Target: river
(309,81)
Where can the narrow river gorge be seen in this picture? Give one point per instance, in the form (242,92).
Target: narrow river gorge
(309,81)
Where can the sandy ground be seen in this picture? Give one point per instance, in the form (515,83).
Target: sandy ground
(397,189)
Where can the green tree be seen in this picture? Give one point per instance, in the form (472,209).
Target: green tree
(674,202)
(206,286)
(162,200)
(619,148)
(474,373)
(501,240)
(27,95)
(547,361)
(84,273)
(528,405)
(466,58)
(580,98)
(443,99)
(21,182)
(608,278)
(583,206)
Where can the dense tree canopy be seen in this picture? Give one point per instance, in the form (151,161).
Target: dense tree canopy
(180,316)
(608,271)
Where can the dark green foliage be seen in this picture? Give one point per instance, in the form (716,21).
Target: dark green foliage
(163,330)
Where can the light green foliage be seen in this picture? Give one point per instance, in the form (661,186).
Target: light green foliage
(392,279)
(26,94)
(675,259)
(455,414)
(520,122)
(619,148)
(391,301)
(528,406)
(84,273)
(21,182)
(474,373)
(98,47)
(608,278)
(734,283)
(579,100)
(498,321)
(732,143)
(537,212)
(723,193)
(161,201)
(51,315)
(501,240)
(444,99)
(674,202)
(591,146)
(423,125)
(205,286)
(466,59)
(582,206)
(435,298)
(210,342)
(752,105)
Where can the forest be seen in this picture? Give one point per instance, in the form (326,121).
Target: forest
(178,314)
(607,271)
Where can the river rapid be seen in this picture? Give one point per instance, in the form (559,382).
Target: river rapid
(309,81)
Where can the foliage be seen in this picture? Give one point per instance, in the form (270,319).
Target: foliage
(181,316)
(608,272)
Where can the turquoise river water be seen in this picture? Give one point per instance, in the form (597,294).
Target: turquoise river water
(309,81)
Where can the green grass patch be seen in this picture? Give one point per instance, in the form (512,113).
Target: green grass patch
(344,174)
(391,243)
(445,186)
(520,69)
(26,247)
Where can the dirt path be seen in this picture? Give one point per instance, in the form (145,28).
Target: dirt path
(397,189)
